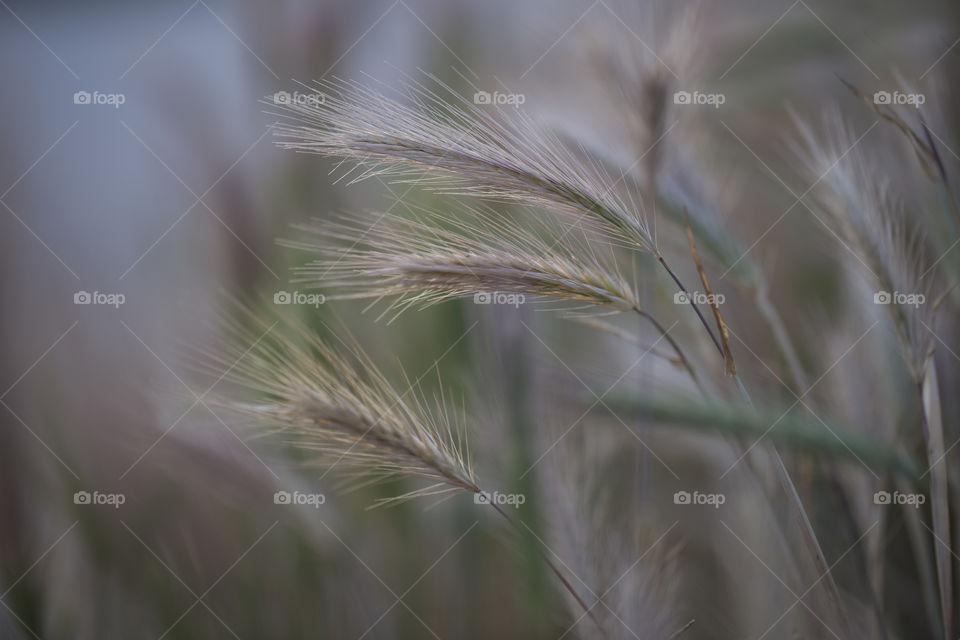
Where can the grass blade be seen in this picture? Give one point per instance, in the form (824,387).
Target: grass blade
(791,431)
(939,509)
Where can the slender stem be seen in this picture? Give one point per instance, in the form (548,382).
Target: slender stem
(784,475)
(932,424)
(673,344)
(775,322)
(806,527)
(743,391)
(681,630)
(588,610)
(944,176)
(923,555)
(703,320)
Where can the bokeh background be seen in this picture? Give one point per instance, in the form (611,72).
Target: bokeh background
(175,200)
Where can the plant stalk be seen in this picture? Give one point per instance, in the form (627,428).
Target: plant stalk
(693,304)
(800,513)
(932,423)
(556,571)
(673,344)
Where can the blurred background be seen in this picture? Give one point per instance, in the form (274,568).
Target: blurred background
(141,188)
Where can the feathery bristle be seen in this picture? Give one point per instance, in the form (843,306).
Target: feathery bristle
(472,152)
(342,408)
(858,201)
(627,574)
(437,257)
